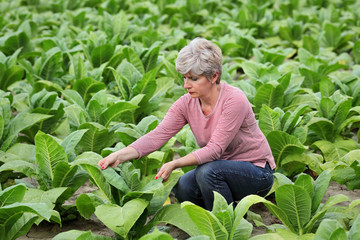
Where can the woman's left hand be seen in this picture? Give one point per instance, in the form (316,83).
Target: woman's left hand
(165,171)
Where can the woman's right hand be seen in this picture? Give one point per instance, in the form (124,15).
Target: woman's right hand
(118,157)
(110,161)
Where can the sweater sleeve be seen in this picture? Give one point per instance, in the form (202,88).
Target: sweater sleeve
(172,123)
(234,111)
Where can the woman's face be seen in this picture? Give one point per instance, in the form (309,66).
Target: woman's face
(197,86)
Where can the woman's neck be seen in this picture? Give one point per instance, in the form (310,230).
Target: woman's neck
(209,101)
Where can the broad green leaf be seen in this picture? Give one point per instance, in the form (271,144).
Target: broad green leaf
(206,222)
(354,232)
(95,138)
(163,84)
(11,213)
(327,88)
(63,173)
(101,54)
(156,234)
(328,149)
(310,44)
(269,120)
(48,154)
(80,235)
(326,229)
(269,95)
(50,197)
(75,115)
(326,104)
(21,227)
(249,200)
(331,35)
(11,75)
(241,231)
(282,144)
(311,78)
(171,72)
(322,127)
(121,111)
(27,168)
(88,162)
(147,85)
(121,219)
(296,203)
(305,181)
(74,97)
(331,201)
(175,215)
(71,141)
(115,180)
(122,83)
(85,87)
(341,112)
(294,118)
(19,123)
(121,25)
(12,195)
(86,204)
(151,57)
(356,52)
(321,184)
(134,59)
(50,63)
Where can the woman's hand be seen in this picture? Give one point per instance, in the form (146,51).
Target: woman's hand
(110,161)
(165,171)
(118,157)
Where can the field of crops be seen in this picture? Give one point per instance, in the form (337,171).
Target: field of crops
(80,79)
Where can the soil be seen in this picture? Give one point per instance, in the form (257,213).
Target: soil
(47,231)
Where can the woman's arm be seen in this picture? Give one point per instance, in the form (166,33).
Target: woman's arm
(114,159)
(167,168)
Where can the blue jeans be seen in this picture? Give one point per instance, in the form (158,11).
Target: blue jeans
(232,179)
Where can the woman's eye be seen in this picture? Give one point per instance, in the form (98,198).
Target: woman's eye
(194,79)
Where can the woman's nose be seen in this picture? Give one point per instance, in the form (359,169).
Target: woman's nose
(186,84)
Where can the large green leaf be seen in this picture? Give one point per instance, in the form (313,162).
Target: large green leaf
(331,201)
(151,57)
(48,154)
(19,123)
(205,221)
(121,219)
(269,95)
(71,141)
(296,203)
(12,195)
(321,185)
(11,213)
(87,86)
(11,75)
(96,138)
(269,120)
(331,35)
(283,144)
(27,168)
(294,118)
(80,235)
(326,229)
(115,180)
(22,226)
(88,161)
(101,54)
(354,232)
(326,104)
(121,111)
(323,127)
(50,64)
(134,59)
(75,115)
(50,197)
(74,97)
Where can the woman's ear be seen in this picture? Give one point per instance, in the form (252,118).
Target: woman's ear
(215,77)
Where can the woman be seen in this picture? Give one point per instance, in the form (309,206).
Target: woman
(234,160)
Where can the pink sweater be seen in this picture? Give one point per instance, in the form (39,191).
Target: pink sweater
(229,132)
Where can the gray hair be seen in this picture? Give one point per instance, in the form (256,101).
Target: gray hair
(200,57)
